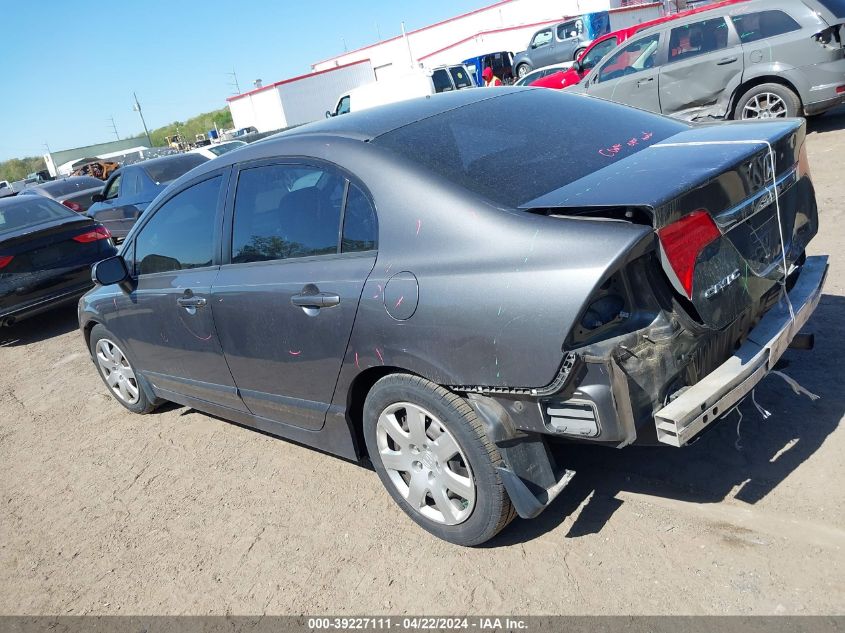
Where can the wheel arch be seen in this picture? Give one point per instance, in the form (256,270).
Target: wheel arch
(758,81)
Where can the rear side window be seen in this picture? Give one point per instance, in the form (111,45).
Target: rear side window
(460,77)
(286,211)
(514,148)
(698,38)
(360,231)
(762,24)
(180,235)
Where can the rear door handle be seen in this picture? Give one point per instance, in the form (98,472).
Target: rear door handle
(191,302)
(320,300)
(726,61)
(644,81)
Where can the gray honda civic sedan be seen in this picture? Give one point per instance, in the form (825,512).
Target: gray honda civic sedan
(419,286)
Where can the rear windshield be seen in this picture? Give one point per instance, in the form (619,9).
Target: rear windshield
(222,148)
(517,147)
(171,168)
(836,7)
(30,211)
(70,185)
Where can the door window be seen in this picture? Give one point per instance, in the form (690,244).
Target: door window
(762,24)
(542,38)
(130,183)
(441,80)
(113,190)
(597,53)
(180,235)
(360,230)
(462,80)
(698,38)
(343,106)
(633,58)
(286,211)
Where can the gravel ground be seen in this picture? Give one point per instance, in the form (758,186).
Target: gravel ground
(105,512)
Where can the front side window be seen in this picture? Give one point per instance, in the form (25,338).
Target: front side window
(360,230)
(286,211)
(113,190)
(542,38)
(633,58)
(762,24)
(180,236)
(441,80)
(130,184)
(698,38)
(597,53)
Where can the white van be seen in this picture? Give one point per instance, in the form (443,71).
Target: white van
(417,84)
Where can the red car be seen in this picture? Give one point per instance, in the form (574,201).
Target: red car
(601,46)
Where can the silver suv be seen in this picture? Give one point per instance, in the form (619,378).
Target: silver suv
(754,60)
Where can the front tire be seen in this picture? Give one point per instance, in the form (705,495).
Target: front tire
(119,375)
(432,454)
(767,101)
(578,53)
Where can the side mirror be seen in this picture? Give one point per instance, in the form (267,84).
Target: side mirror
(329,114)
(97,197)
(110,271)
(578,66)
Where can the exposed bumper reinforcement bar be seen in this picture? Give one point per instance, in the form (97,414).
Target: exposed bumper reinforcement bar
(705,402)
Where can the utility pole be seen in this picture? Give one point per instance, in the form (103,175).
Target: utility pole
(114,127)
(408,43)
(137,108)
(234,83)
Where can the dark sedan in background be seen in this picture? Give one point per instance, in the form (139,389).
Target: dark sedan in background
(130,189)
(75,192)
(46,252)
(391,285)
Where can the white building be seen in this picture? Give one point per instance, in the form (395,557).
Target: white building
(504,26)
(299,99)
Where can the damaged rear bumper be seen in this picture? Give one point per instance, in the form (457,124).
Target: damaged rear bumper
(709,399)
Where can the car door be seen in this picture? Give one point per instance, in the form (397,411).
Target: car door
(704,66)
(568,39)
(630,75)
(542,48)
(166,318)
(285,303)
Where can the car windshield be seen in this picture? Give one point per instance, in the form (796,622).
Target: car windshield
(170,169)
(70,185)
(218,150)
(517,147)
(30,211)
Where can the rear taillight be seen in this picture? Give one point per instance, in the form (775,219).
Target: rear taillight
(5,260)
(840,90)
(72,206)
(683,242)
(100,233)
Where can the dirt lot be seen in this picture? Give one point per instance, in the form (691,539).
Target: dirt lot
(178,512)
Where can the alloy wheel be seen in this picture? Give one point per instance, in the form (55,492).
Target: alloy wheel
(765,105)
(425,463)
(117,372)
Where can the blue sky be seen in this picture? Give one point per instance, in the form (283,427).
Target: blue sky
(66,68)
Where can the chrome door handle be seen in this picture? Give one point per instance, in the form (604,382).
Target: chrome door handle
(191,302)
(726,61)
(320,300)
(644,81)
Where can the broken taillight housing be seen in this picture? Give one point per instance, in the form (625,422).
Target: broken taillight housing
(684,240)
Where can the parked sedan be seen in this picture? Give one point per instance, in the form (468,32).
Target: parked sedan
(75,192)
(46,252)
(758,59)
(217,149)
(129,190)
(389,285)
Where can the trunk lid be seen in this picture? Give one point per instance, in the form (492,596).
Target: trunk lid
(725,171)
(48,246)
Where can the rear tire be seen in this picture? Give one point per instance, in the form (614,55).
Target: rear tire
(118,373)
(578,53)
(767,101)
(522,70)
(441,466)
